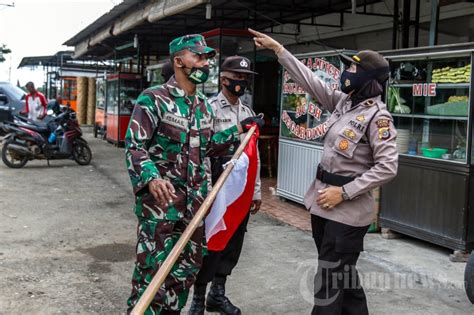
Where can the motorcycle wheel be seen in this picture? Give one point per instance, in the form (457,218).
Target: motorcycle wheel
(12,160)
(81,153)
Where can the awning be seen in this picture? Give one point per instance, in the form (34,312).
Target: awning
(66,64)
(157,22)
(46,61)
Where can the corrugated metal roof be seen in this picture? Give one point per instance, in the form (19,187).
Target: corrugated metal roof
(54,60)
(103,21)
(97,40)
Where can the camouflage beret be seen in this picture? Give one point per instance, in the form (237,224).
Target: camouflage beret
(194,42)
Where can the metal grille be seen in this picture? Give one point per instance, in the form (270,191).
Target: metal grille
(297,163)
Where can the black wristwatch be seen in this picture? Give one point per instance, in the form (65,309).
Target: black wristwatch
(345,196)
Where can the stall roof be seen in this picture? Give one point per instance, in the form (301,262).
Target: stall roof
(156,22)
(104,20)
(47,61)
(428,51)
(64,60)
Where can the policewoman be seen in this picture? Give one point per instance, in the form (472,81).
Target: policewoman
(359,155)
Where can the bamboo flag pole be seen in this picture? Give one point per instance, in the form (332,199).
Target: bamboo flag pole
(165,269)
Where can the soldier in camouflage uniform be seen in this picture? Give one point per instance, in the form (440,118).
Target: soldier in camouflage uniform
(170,134)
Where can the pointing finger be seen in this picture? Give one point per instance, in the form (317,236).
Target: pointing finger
(254,32)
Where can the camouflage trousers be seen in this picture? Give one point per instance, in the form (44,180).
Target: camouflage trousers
(156,238)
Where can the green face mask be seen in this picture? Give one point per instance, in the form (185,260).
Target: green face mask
(198,75)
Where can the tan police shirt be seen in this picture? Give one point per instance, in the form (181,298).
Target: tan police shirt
(359,142)
(228,115)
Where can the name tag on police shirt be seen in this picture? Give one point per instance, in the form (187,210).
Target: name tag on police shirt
(176,121)
(223,120)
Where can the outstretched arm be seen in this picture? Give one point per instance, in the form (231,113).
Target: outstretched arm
(301,74)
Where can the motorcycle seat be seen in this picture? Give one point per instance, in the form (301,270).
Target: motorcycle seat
(35,126)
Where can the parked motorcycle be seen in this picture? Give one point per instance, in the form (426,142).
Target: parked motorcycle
(59,138)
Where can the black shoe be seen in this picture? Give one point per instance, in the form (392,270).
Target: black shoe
(197,305)
(218,302)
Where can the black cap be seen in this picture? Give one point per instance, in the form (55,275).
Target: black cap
(237,64)
(368,60)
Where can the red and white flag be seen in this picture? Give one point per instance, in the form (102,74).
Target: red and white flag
(234,199)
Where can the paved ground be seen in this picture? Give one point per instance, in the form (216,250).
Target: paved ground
(67,237)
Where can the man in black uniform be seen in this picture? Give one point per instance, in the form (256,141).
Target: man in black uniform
(217,265)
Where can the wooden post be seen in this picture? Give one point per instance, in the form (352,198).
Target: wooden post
(165,269)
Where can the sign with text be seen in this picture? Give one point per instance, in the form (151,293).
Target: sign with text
(302,116)
(424,89)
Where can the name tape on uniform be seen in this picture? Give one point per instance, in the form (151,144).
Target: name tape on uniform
(176,121)
(206,123)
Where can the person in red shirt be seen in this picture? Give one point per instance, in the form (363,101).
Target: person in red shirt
(35,104)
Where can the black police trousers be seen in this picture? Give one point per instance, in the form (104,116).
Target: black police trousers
(216,266)
(337,288)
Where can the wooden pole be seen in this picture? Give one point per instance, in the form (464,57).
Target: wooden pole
(165,269)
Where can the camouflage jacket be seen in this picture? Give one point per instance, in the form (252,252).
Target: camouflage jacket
(168,137)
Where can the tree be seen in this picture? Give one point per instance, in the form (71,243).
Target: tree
(3,51)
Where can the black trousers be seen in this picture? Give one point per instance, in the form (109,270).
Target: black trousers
(217,266)
(337,288)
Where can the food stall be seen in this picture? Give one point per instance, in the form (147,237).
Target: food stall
(100,107)
(69,91)
(430,98)
(302,126)
(122,90)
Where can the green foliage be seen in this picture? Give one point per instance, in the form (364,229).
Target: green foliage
(3,51)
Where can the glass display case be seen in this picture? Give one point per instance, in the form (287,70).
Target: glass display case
(100,107)
(100,93)
(430,99)
(69,91)
(122,91)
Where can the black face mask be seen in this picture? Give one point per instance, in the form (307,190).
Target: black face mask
(352,81)
(355,81)
(236,87)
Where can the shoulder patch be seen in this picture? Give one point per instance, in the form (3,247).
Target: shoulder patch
(223,102)
(384,133)
(382,123)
